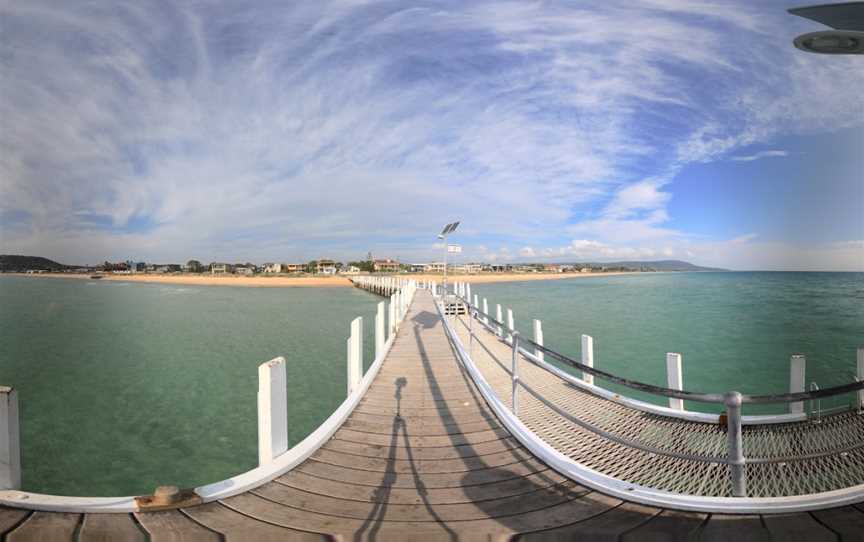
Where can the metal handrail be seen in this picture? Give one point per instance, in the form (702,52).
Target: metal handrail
(677,394)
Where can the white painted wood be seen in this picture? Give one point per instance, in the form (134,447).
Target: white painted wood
(588,357)
(674,378)
(797,380)
(10,449)
(860,373)
(272,410)
(538,338)
(355,354)
(391,309)
(510,324)
(468,292)
(380,321)
(485,311)
(499,317)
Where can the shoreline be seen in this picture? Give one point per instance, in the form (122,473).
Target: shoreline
(313,282)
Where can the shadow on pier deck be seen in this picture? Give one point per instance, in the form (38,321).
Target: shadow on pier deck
(423,456)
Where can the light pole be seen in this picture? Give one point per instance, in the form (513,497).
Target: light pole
(448,229)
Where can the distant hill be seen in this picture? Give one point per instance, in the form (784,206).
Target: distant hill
(13,263)
(661,265)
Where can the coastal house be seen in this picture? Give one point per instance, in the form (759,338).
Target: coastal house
(435,267)
(552,268)
(246,270)
(468,268)
(385,266)
(272,268)
(325,267)
(417,267)
(293,267)
(351,270)
(219,268)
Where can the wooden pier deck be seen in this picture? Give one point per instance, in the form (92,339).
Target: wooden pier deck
(423,456)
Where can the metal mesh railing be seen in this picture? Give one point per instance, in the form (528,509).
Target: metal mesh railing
(668,452)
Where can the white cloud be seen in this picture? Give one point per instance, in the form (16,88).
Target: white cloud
(758,155)
(283,131)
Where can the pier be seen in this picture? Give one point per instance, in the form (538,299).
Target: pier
(465,427)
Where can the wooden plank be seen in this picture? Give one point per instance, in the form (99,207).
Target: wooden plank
(847,521)
(740,528)
(423,441)
(420,512)
(238,527)
(439,466)
(416,427)
(607,526)
(107,527)
(11,517)
(424,454)
(174,526)
(436,480)
(396,495)
(668,526)
(797,528)
(372,527)
(47,526)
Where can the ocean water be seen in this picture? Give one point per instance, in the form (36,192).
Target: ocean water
(735,331)
(126,386)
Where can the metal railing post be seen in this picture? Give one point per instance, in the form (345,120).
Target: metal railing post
(471,316)
(735,445)
(797,372)
(514,373)
(538,338)
(10,449)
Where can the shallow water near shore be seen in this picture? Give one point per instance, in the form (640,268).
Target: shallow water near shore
(123,387)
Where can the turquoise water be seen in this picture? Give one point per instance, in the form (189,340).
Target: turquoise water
(735,331)
(126,386)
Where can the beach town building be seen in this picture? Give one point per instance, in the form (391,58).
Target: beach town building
(386,266)
(468,268)
(219,268)
(351,270)
(553,268)
(417,267)
(325,267)
(272,268)
(435,267)
(244,270)
(293,267)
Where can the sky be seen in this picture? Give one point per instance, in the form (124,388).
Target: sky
(554,131)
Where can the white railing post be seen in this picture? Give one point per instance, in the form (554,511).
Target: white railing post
(272,410)
(674,378)
(860,373)
(468,292)
(735,444)
(476,302)
(485,311)
(797,380)
(500,318)
(588,357)
(355,354)
(10,449)
(379,331)
(510,323)
(392,314)
(514,373)
(538,338)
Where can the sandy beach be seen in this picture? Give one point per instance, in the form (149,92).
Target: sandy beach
(315,281)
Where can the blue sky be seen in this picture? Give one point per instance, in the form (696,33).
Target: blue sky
(556,131)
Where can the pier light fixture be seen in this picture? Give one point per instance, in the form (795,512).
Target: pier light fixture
(847,20)
(448,229)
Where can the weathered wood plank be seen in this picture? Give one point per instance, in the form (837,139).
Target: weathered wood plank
(418,428)
(436,480)
(668,526)
(740,528)
(439,466)
(10,517)
(797,528)
(239,527)
(847,521)
(174,526)
(397,495)
(47,526)
(607,526)
(424,454)
(428,441)
(107,527)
